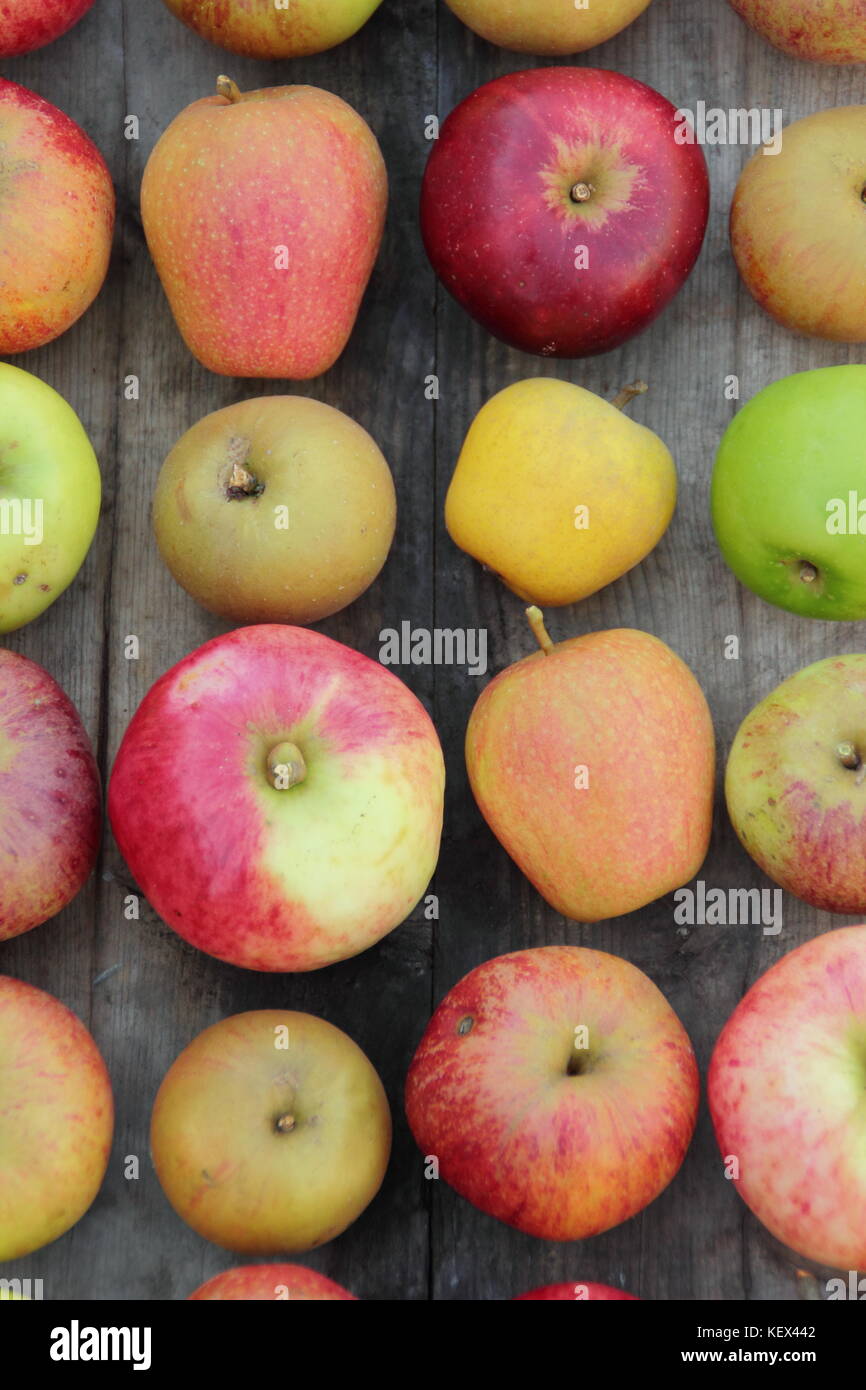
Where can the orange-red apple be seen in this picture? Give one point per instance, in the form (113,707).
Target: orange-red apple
(278,1283)
(825,31)
(593,762)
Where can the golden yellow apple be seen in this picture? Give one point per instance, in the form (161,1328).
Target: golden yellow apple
(558,491)
(558,27)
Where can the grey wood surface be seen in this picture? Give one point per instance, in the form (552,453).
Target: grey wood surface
(418,1240)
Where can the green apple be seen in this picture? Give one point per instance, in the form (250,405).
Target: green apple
(789,493)
(50,491)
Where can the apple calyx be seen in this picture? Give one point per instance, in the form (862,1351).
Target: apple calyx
(241,482)
(628,393)
(284,1124)
(542,636)
(229,89)
(808,572)
(286,766)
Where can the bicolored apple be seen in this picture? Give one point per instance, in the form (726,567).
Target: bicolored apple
(576,1293)
(56,1118)
(271,1133)
(264,29)
(29,24)
(50,802)
(557,1089)
(273,1282)
(824,31)
(57,222)
(786,1089)
(278,798)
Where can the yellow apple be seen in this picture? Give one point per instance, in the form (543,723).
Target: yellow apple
(547,27)
(558,491)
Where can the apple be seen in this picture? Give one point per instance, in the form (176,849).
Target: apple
(261,29)
(264,214)
(271,1133)
(576,1293)
(50,803)
(29,24)
(551,30)
(795,784)
(557,1090)
(286,1283)
(798,226)
(57,224)
(279,509)
(56,1119)
(593,763)
(557,491)
(560,211)
(786,1086)
(50,492)
(814,29)
(278,798)
(785,501)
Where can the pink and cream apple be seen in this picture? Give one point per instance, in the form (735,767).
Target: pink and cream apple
(786,1089)
(557,1089)
(825,31)
(50,802)
(264,214)
(562,209)
(56,1119)
(278,798)
(576,1293)
(271,1133)
(29,24)
(57,223)
(274,1282)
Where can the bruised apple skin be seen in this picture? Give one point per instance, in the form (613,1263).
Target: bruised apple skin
(57,220)
(50,801)
(822,31)
(275,1282)
(278,798)
(558,1090)
(29,24)
(264,213)
(576,1293)
(786,1089)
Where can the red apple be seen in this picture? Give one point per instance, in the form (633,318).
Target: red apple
(280,1283)
(57,223)
(278,797)
(29,24)
(557,1089)
(264,214)
(787,1093)
(50,803)
(575,1293)
(560,210)
(56,1118)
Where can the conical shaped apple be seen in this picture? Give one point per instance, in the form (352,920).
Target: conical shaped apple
(593,762)
(264,214)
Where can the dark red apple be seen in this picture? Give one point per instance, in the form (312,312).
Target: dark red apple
(564,208)
(576,1293)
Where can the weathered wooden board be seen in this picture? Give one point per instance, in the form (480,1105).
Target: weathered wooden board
(418,1240)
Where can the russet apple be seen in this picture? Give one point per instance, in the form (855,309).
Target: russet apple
(280,509)
(558,492)
(274,1282)
(552,29)
(56,1118)
(271,1132)
(278,798)
(50,802)
(264,214)
(50,492)
(798,226)
(559,209)
(267,29)
(593,763)
(576,1293)
(786,1090)
(825,31)
(785,493)
(557,1089)
(795,784)
(29,24)
(57,223)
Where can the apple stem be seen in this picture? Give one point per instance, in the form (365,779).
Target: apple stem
(848,756)
(286,766)
(228,89)
(241,482)
(285,1124)
(542,636)
(628,393)
(581,192)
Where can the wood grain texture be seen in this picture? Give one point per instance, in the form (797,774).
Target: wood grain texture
(418,1240)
